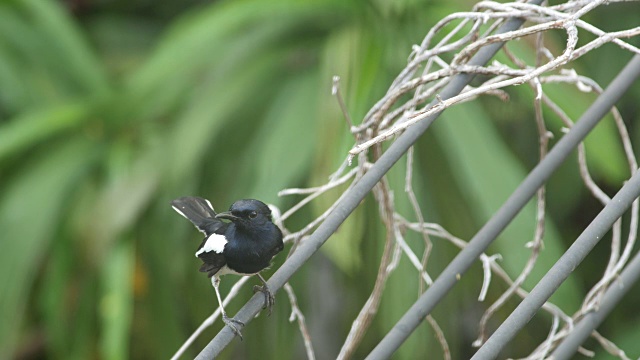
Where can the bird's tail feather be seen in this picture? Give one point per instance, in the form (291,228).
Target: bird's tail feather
(210,269)
(197,210)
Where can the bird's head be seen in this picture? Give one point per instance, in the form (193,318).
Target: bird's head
(247,214)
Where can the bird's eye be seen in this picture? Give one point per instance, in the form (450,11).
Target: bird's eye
(253,215)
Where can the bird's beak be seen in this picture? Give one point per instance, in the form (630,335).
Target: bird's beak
(227,215)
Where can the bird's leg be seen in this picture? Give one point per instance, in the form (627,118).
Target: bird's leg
(230,322)
(269,299)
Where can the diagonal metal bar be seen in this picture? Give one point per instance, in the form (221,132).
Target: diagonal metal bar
(518,199)
(561,270)
(592,320)
(357,193)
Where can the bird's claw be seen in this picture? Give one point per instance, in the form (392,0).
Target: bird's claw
(231,323)
(269,299)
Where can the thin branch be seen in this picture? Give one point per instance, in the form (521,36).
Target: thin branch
(440,336)
(364,318)
(296,314)
(235,289)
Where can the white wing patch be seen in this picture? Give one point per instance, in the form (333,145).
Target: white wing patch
(215,243)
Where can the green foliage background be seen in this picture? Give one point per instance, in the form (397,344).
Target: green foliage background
(110,109)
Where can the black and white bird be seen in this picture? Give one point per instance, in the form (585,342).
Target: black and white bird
(243,246)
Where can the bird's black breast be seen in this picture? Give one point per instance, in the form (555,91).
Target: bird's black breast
(250,251)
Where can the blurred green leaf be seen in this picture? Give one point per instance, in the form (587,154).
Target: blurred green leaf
(206,114)
(53,297)
(285,141)
(116,304)
(31,207)
(31,28)
(23,132)
(168,73)
(72,57)
(488,173)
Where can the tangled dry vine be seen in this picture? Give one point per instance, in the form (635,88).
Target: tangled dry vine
(430,67)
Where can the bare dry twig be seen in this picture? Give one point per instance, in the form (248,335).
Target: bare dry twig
(296,314)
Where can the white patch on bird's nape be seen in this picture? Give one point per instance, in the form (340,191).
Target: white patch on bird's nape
(180,212)
(275,212)
(215,243)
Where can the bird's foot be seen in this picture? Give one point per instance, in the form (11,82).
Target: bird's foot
(269,299)
(232,323)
